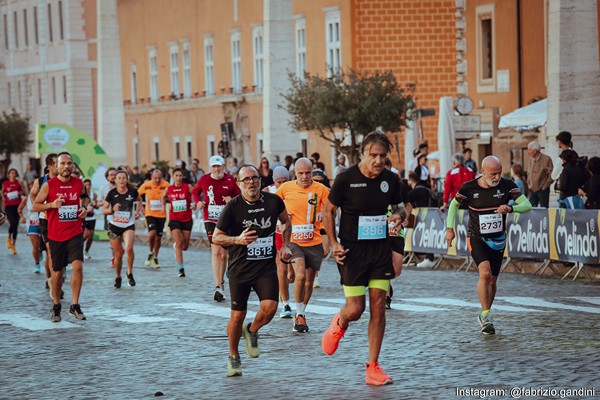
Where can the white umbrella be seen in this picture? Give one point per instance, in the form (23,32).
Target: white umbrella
(526,118)
(445,135)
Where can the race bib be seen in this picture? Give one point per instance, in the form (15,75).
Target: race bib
(156,205)
(395,231)
(372,227)
(12,195)
(490,223)
(34,219)
(121,217)
(214,211)
(67,213)
(261,249)
(179,205)
(303,233)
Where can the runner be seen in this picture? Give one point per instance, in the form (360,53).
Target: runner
(110,175)
(304,200)
(319,176)
(487,198)
(89,224)
(155,214)
(32,219)
(285,272)
(61,199)
(12,190)
(122,206)
(364,256)
(218,189)
(180,215)
(247,226)
(52,171)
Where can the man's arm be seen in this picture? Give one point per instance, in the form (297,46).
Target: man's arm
(450,221)
(329,221)
(39,204)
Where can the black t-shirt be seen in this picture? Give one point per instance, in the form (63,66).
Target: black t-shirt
(359,198)
(248,263)
(124,217)
(482,204)
(420,196)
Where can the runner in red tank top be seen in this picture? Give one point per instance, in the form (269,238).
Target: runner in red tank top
(179,195)
(218,188)
(12,190)
(61,199)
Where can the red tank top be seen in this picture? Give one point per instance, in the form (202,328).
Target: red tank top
(63,223)
(214,191)
(12,193)
(180,199)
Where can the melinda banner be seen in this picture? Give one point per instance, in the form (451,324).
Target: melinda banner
(556,234)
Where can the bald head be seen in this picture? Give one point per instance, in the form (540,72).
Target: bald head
(491,162)
(303,171)
(302,162)
(491,169)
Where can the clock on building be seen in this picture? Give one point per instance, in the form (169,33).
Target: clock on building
(463,104)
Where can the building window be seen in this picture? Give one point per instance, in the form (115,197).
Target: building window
(187,73)
(25,28)
(156,148)
(133,83)
(209,66)
(39,90)
(304,145)
(174,51)
(136,151)
(64,81)
(9,91)
(36,34)
(153,74)
(333,42)
(5,21)
(16,30)
(53,90)
(485,48)
(210,139)
(300,48)
(236,62)
(188,150)
(50,35)
(257,45)
(60,21)
(177,148)
(19,96)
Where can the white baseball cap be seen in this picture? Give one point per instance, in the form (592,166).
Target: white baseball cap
(216,160)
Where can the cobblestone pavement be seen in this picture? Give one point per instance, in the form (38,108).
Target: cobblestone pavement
(168,335)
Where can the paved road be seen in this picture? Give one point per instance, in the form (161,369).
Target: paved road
(167,335)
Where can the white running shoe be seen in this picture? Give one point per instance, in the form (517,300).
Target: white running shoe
(426,264)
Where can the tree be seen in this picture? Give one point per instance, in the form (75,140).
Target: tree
(14,137)
(346,107)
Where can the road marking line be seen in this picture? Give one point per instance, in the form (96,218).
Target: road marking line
(207,309)
(395,306)
(532,301)
(592,300)
(34,323)
(461,303)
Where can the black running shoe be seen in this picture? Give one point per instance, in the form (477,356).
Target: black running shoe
(118,283)
(388,303)
(75,311)
(55,315)
(300,324)
(219,296)
(130,280)
(181,273)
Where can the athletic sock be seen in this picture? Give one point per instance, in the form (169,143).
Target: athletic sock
(285,303)
(484,312)
(181,266)
(299,309)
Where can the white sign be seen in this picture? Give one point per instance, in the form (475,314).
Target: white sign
(467,123)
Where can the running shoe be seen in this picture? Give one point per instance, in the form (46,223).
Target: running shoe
(55,315)
(252,347)
(87,255)
(8,243)
(286,312)
(75,311)
(219,296)
(377,376)
(13,249)
(388,303)
(149,259)
(332,336)
(234,366)
(36,269)
(300,324)
(47,286)
(155,263)
(130,280)
(487,324)
(316,282)
(41,255)
(118,283)
(181,273)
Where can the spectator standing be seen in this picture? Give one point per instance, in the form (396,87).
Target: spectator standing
(469,162)
(30,175)
(455,178)
(563,140)
(233,168)
(571,179)
(422,170)
(136,178)
(539,175)
(266,173)
(591,189)
(517,175)
(340,165)
(420,196)
(423,150)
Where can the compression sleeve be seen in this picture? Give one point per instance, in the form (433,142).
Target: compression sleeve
(523,205)
(452,211)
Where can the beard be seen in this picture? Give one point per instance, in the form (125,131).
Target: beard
(491,183)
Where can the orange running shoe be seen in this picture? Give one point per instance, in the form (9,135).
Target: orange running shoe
(332,336)
(376,376)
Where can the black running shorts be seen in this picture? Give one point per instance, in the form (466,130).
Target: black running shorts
(182,226)
(312,255)
(89,225)
(266,288)
(156,224)
(397,244)
(481,252)
(366,260)
(64,253)
(210,228)
(115,232)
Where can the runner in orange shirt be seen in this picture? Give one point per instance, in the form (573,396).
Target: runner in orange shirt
(304,199)
(155,214)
